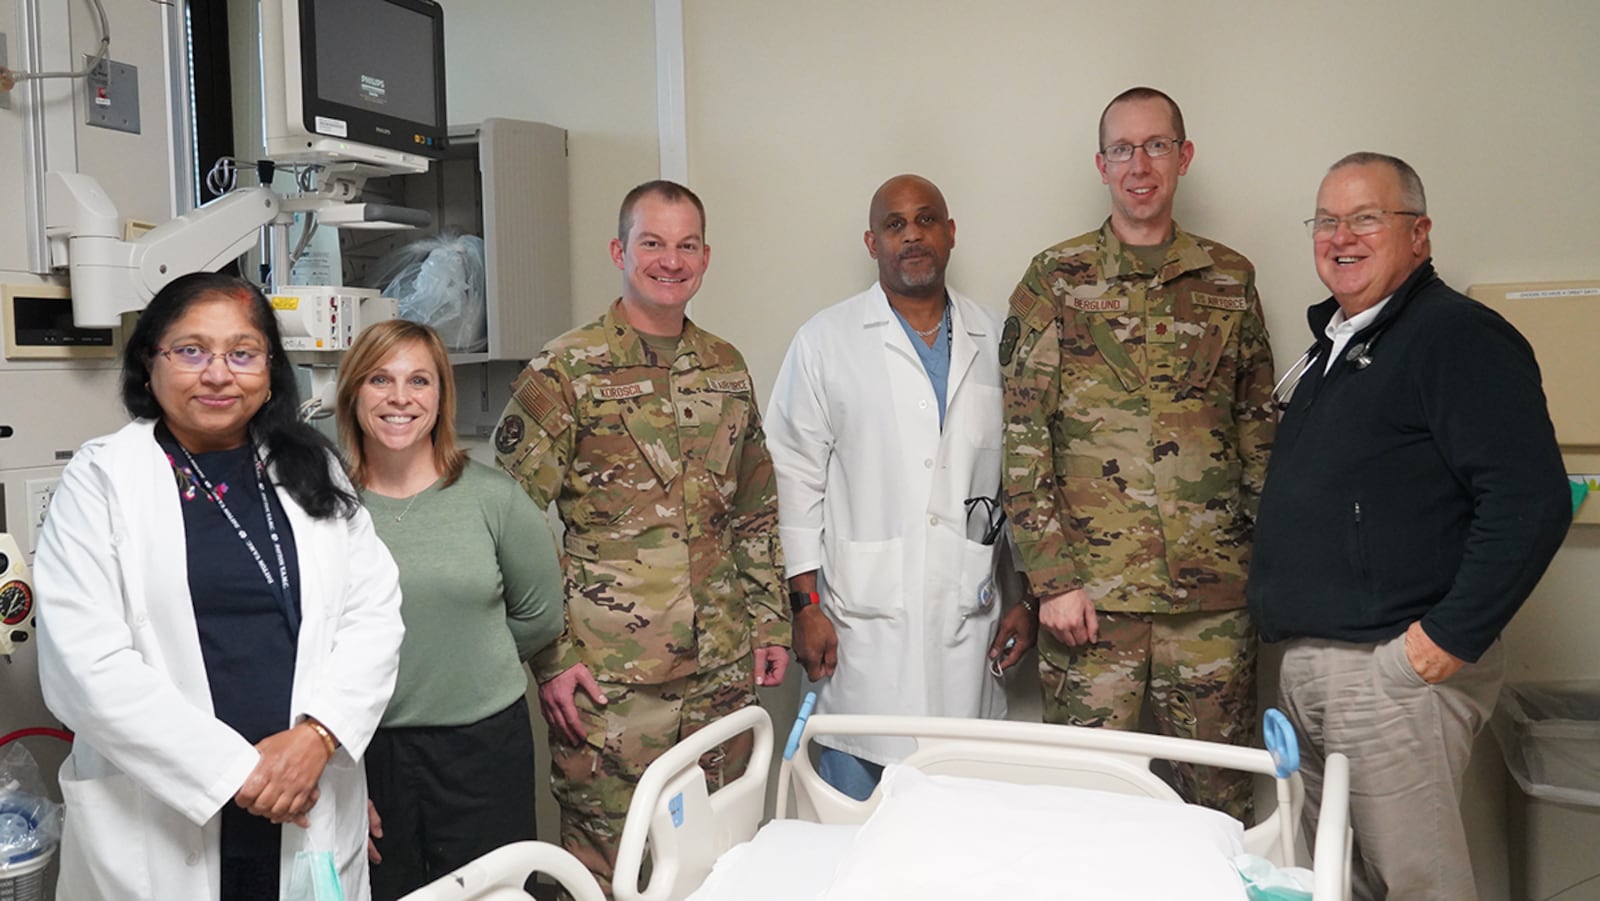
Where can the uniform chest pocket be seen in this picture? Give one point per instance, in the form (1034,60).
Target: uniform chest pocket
(731,417)
(1207,351)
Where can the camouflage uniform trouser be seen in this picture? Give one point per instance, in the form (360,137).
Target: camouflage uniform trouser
(1199,671)
(594,783)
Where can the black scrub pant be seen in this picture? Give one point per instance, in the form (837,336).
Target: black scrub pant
(448,795)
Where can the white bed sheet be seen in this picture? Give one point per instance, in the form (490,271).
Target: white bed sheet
(946,837)
(788,860)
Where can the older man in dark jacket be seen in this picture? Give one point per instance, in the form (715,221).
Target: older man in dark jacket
(1414,497)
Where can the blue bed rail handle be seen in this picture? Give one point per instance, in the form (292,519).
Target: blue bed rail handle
(793,744)
(1281,742)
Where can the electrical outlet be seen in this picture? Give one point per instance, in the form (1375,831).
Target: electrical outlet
(111,96)
(39,492)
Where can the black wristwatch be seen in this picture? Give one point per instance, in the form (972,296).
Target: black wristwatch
(800,600)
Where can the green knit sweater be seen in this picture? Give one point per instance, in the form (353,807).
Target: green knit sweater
(482,592)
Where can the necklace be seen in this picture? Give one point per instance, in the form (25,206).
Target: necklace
(402,516)
(929,333)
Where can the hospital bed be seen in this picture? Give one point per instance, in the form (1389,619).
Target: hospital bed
(1064,807)
(1066,775)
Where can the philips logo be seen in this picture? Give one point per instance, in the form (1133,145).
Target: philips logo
(373,89)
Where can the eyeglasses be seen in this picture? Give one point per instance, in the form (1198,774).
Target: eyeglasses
(193,358)
(1155,148)
(1368,223)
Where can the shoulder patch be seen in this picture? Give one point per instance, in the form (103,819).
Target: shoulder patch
(1008,339)
(622,392)
(509,435)
(536,397)
(1220,302)
(738,383)
(1030,311)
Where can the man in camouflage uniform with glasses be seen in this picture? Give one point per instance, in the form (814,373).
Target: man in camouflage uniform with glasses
(1138,384)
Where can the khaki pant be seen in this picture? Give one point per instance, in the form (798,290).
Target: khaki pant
(594,783)
(1408,744)
(1198,671)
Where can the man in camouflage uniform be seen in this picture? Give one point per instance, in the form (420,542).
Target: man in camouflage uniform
(1138,420)
(643,429)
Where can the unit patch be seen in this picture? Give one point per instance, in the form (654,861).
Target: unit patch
(1008,339)
(510,433)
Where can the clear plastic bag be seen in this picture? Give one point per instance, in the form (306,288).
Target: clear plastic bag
(440,281)
(314,878)
(30,823)
(1265,881)
(1549,733)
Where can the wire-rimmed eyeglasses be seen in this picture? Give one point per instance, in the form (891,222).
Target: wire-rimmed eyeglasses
(194,358)
(1155,148)
(1369,222)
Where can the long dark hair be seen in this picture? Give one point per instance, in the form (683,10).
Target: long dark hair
(299,454)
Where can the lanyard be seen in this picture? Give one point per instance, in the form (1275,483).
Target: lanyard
(266,507)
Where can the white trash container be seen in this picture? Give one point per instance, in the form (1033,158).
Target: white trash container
(1550,735)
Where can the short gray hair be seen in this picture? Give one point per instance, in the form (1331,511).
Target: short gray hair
(1410,181)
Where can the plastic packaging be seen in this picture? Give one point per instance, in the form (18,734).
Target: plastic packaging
(1265,881)
(30,823)
(314,878)
(440,281)
(1549,733)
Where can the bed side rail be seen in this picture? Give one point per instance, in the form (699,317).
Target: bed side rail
(1033,754)
(500,875)
(687,826)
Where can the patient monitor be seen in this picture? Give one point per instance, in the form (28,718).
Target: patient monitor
(352,89)
(357,80)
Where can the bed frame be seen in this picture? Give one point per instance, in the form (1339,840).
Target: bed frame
(687,828)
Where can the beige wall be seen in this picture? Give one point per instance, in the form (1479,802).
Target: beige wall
(588,67)
(798,111)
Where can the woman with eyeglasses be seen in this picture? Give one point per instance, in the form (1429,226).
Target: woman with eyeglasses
(451,768)
(218,622)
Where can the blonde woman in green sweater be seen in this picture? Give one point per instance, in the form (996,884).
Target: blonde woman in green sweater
(451,768)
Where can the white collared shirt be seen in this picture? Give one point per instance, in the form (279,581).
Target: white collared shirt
(1340,330)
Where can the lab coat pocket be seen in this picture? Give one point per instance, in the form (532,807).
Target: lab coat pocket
(104,847)
(977,592)
(865,578)
(977,596)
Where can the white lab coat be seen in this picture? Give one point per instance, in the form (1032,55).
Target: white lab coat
(870,492)
(120,664)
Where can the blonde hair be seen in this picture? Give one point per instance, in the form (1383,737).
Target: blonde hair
(372,347)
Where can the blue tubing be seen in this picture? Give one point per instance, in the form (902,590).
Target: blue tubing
(793,744)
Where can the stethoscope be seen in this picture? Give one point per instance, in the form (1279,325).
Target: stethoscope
(1358,355)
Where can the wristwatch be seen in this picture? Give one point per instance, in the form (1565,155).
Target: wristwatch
(800,600)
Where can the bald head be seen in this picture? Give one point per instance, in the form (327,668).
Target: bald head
(910,233)
(897,185)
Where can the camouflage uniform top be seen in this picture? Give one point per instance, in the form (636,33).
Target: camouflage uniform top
(1138,422)
(662,479)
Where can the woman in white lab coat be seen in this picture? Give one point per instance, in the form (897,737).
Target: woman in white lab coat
(874,494)
(218,622)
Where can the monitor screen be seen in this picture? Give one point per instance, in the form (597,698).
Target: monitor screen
(377,55)
(371,73)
